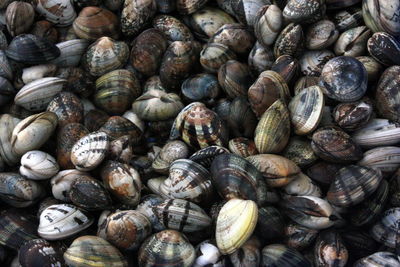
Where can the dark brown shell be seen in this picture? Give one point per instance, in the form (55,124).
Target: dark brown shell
(385,48)
(323,172)
(352,116)
(243,147)
(388,94)
(19,17)
(68,108)
(235,78)
(241,120)
(40,252)
(260,58)
(117,126)
(214,55)
(79,81)
(94,119)
(45,29)
(287,66)
(236,36)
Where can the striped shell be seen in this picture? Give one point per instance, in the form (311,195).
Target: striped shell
(206,155)
(214,55)
(68,108)
(71,52)
(313,61)
(281,255)
(378,259)
(242,146)
(234,78)
(146,208)
(384,158)
(61,183)
(302,186)
(38,165)
(59,12)
(388,94)
(19,17)
(67,136)
(353,42)
(117,126)
(299,237)
(380,16)
(378,132)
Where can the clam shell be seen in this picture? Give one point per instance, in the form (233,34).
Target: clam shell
(270,223)
(248,254)
(384,48)
(241,119)
(304,11)
(135,15)
(385,231)
(172,28)
(302,186)
(186,7)
(37,72)
(378,259)
(45,29)
(38,165)
(353,42)
(298,236)
(243,147)
(7,125)
(289,41)
(206,155)
(235,78)
(354,115)
(235,36)
(330,250)
(388,94)
(71,52)
(59,12)
(208,254)
(313,61)
(348,18)
(384,158)
(61,183)
(321,35)
(260,58)
(299,151)
(267,24)
(378,132)
(117,126)
(146,208)
(19,17)
(40,251)
(281,255)
(6,69)
(68,108)
(380,16)
(214,55)
(170,152)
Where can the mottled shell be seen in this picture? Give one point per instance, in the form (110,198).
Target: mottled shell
(236,36)
(71,52)
(384,158)
(59,12)
(269,87)
(281,255)
(68,108)
(289,41)
(168,248)
(353,42)
(105,55)
(61,221)
(67,136)
(201,87)
(313,61)
(135,15)
(38,165)
(242,146)
(214,55)
(384,48)
(321,35)
(306,110)
(348,18)
(41,252)
(300,152)
(380,259)
(91,251)
(235,78)
(122,181)
(334,145)
(172,28)
(19,17)
(354,115)
(235,224)
(6,69)
(273,130)
(373,67)
(330,250)
(61,183)
(267,24)
(125,229)
(95,22)
(380,16)
(304,11)
(32,132)
(378,132)
(386,230)
(170,152)
(89,151)
(260,58)
(388,94)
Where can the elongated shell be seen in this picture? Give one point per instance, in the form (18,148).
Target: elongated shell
(214,55)
(38,165)
(380,16)
(330,250)
(59,12)
(354,115)
(384,48)
(71,52)
(378,259)
(281,255)
(268,24)
(289,41)
(386,230)
(273,129)
(235,224)
(384,158)
(61,221)
(304,11)
(172,28)
(135,15)
(378,132)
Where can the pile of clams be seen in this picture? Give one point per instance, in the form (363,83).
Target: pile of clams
(200,133)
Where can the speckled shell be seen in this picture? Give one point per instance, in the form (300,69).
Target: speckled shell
(206,155)
(38,165)
(236,36)
(353,42)
(354,115)
(385,231)
(352,185)
(245,11)
(214,55)
(156,105)
(105,55)
(334,145)
(59,12)
(281,255)
(41,252)
(169,248)
(71,52)
(321,35)
(384,158)
(61,221)
(330,250)
(300,152)
(135,15)
(7,125)
(269,87)
(61,183)
(32,132)
(378,132)
(380,16)
(181,215)
(378,259)
(172,28)
(267,24)
(89,151)
(313,61)
(260,58)
(273,130)
(68,108)
(125,229)
(384,48)
(276,170)
(241,119)
(388,94)
(289,41)
(298,236)
(91,251)
(304,10)
(306,110)
(95,22)
(19,17)
(67,136)
(31,49)
(235,224)
(122,181)
(311,212)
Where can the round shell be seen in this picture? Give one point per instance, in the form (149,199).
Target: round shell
(38,165)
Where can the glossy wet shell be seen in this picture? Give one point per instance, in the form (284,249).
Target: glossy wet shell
(214,55)
(68,108)
(117,126)
(235,36)
(71,52)
(268,24)
(136,14)
(380,15)
(304,11)
(298,236)
(172,28)
(354,115)
(377,132)
(384,48)
(248,254)
(19,17)
(321,35)
(59,12)
(289,41)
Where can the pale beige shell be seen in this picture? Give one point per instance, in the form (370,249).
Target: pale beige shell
(33,73)
(38,165)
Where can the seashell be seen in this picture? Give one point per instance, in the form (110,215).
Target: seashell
(299,151)
(359,243)
(268,88)
(201,87)
(235,177)
(270,223)
(377,132)
(305,82)
(89,194)
(7,91)
(45,29)
(19,17)
(222,108)
(241,120)
(37,72)
(348,18)
(16,227)
(92,250)
(165,6)
(321,35)
(146,208)
(354,115)
(176,64)
(172,28)
(95,22)
(385,231)
(388,93)
(170,152)
(32,132)
(268,24)
(105,55)
(378,259)
(373,68)
(352,185)
(155,105)
(312,62)
(276,170)
(248,254)
(260,58)
(235,36)
(287,66)
(304,11)
(71,52)
(121,149)
(306,110)
(61,221)
(353,42)
(298,236)
(6,69)
(89,151)
(125,229)
(31,49)
(206,155)
(79,82)
(380,16)
(384,158)
(235,224)
(59,12)
(122,181)
(37,95)
(330,250)
(334,145)
(289,41)
(323,172)
(235,78)
(281,255)
(207,254)
(153,83)
(243,147)
(273,129)
(181,215)
(40,251)
(311,212)
(38,165)
(135,15)
(18,191)
(214,55)
(186,7)
(302,186)
(61,183)
(169,248)
(245,11)
(384,48)
(7,124)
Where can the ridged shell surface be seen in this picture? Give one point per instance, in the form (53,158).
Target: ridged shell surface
(71,52)
(59,12)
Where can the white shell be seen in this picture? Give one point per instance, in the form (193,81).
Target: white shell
(385,158)
(154,184)
(209,256)
(38,165)
(71,52)
(378,132)
(36,95)
(61,221)
(302,186)
(61,183)
(59,12)
(89,151)
(33,73)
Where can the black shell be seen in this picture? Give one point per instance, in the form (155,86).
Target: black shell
(385,48)
(39,252)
